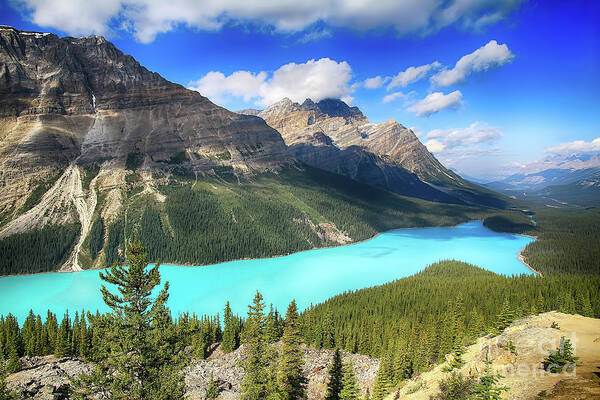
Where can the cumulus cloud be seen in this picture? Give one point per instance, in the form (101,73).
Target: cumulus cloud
(315,79)
(435,102)
(147,18)
(375,83)
(392,96)
(489,56)
(411,75)
(576,147)
(477,133)
(463,146)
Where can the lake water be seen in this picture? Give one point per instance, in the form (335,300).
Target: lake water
(309,277)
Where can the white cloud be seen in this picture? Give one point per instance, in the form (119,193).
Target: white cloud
(74,17)
(147,18)
(576,147)
(489,56)
(463,146)
(375,83)
(315,35)
(412,74)
(392,96)
(315,79)
(435,102)
(475,134)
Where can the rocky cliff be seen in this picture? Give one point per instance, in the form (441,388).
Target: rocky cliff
(75,110)
(339,138)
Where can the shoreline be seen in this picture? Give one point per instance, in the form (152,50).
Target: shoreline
(519,254)
(248,259)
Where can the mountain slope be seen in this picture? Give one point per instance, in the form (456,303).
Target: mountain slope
(96,150)
(77,114)
(333,136)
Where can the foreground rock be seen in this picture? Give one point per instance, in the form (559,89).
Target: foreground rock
(47,378)
(523,372)
(228,373)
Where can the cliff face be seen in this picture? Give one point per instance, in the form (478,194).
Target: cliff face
(69,104)
(82,101)
(333,136)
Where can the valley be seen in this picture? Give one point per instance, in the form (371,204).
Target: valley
(319,245)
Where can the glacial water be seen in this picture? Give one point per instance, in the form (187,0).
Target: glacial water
(309,277)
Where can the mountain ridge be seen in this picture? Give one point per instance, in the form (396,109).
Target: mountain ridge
(331,135)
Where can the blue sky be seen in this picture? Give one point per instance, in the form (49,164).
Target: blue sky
(533,85)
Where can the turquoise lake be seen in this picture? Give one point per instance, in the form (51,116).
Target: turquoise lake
(309,277)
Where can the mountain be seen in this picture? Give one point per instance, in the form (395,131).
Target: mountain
(557,180)
(333,136)
(97,150)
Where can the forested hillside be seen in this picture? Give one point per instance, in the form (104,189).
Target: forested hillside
(181,219)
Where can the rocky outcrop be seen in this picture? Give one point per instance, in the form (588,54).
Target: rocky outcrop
(338,138)
(228,373)
(48,378)
(522,370)
(71,104)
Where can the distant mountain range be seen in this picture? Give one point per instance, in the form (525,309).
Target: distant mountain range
(556,181)
(333,136)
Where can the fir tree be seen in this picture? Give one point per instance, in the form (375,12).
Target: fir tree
(506,316)
(561,358)
(336,372)
(382,380)
(212,391)
(350,389)
(272,325)
(229,333)
(63,344)
(5,394)
(487,388)
(137,358)
(290,380)
(256,383)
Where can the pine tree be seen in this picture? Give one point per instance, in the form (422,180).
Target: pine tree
(62,347)
(5,394)
(212,391)
(272,326)
(136,357)
(336,372)
(488,388)
(382,381)
(560,359)
(229,333)
(256,383)
(328,331)
(290,380)
(584,306)
(350,389)
(506,316)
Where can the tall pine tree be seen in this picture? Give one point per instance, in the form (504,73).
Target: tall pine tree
(139,360)
(290,380)
(336,372)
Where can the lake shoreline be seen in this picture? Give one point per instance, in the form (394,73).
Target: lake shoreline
(519,255)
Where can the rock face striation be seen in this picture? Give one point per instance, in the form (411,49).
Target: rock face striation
(68,105)
(336,137)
